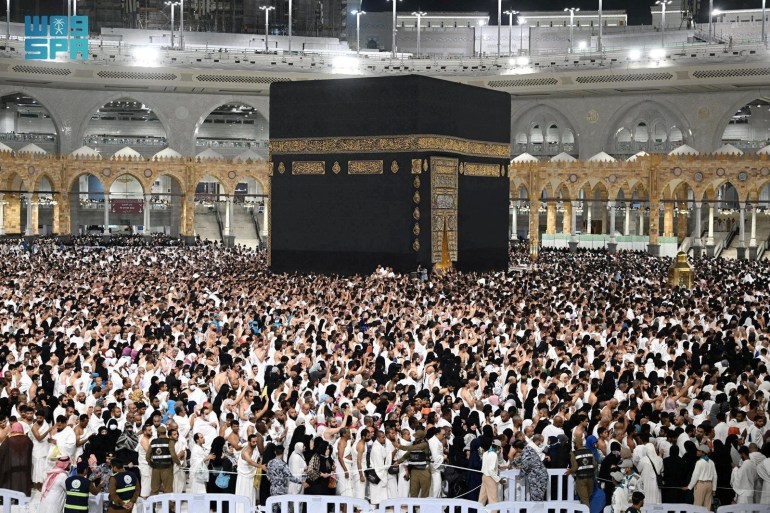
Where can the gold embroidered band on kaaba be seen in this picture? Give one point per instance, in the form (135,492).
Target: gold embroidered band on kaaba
(387,144)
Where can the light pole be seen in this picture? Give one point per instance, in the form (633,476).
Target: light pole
(419,15)
(481,39)
(8,20)
(74,7)
(572,11)
(393,53)
(267,10)
(712,13)
(663,4)
(601,28)
(181,24)
(172,5)
(358,30)
(69,14)
(521,21)
(290,26)
(510,30)
(711,16)
(499,22)
(764,34)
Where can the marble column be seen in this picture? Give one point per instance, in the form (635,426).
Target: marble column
(753,239)
(627,222)
(28,207)
(147,213)
(589,210)
(266,217)
(710,238)
(742,232)
(698,242)
(2,215)
(227,236)
(653,246)
(566,219)
(641,221)
(613,245)
(514,223)
(106,231)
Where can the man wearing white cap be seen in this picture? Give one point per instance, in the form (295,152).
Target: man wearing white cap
(703,482)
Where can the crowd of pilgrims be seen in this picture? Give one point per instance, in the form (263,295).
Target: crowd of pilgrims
(382,385)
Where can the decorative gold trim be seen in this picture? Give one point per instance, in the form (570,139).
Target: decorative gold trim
(407,143)
(394,167)
(416,182)
(281,168)
(365,167)
(416,245)
(336,168)
(308,167)
(488,170)
(416,197)
(416,229)
(269,169)
(416,166)
(425,166)
(416,214)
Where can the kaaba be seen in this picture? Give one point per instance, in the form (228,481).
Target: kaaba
(389,171)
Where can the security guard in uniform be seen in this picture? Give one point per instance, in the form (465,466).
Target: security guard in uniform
(78,487)
(124,489)
(162,457)
(418,455)
(583,467)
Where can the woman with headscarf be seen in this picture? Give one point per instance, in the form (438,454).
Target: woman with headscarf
(264,485)
(724,465)
(297,437)
(474,471)
(320,469)
(675,470)
(297,466)
(221,471)
(16,461)
(610,464)
(650,466)
(591,442)
(54,490)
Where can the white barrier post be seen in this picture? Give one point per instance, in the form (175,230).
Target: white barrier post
(538,507)
(409,505)
(560,487)
(315,504)
(199,503)
(12,496)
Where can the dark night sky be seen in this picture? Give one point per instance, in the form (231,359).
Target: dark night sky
(638,10)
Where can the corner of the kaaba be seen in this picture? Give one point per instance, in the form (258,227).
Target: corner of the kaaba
(374,172)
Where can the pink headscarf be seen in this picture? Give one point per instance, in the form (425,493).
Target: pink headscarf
(61,467)
(16,427)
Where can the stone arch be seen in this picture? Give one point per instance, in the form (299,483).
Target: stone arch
(742,191)
(45,175)
(746,125)
(656,117)
(541,118)
(517,184)
(111,181)
(240,138)
(54,117)
(76,176)
(114,142)
(166,204)
(15,182)
(674,186)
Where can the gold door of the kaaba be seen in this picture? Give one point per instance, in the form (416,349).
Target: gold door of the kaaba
(443,201)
